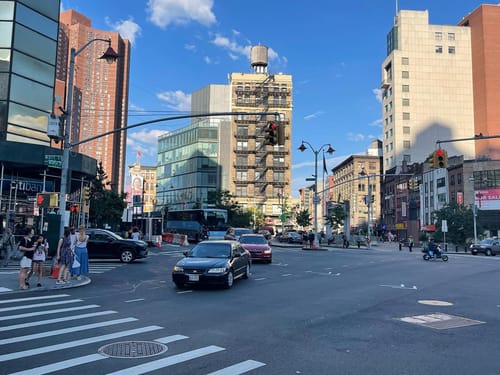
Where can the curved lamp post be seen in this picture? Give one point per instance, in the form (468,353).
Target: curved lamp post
(110,56)
(304,146)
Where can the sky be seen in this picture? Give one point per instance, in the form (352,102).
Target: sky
(332,49)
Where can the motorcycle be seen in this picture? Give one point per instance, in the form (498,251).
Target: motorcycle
(437,254)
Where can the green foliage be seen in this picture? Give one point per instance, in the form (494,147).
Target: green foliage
(336,218)
(106,205)
(225,200)
(304,218)
(460,222)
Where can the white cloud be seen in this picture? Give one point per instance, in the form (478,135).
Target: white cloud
(314,115)
(378,94)
(190,47)
(163,13)
(377,122)
(177,100)
(145,140)
(355,137)
(128,29)
(207,60)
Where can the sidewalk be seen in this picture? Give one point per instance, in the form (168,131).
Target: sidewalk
(9,281)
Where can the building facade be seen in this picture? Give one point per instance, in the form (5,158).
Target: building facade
(426,89)
(100,100)
(484,25)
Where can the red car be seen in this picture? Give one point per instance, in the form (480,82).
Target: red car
(258,246)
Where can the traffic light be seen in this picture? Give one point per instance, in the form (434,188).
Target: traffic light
(271,134)
(413,184)
(86,193)
(281,134)
(372,198)
(46,200)
(74,208)
(440,158)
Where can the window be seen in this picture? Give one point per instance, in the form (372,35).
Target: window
(390,132)
(406,102)
(452,179)
(459,179)
(451,50)
(438,35)
(439,49)
(406,130)
(406,88)
(241,160)
(241,191)
(361,187)
(441,182)
(406,144)
(451,36)
(407,158)
(391,147)
(390,119)
(278,176)
(242,130)
(241,176)
(406,115)
(405,74)
(386,108)
(386,135)
(405,60)
(242,145)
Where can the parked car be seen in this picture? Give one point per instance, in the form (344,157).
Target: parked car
(108,245)
(488,246)
(291,237)
(217,262)
(258,247)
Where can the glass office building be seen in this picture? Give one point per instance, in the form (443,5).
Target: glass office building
(28,49)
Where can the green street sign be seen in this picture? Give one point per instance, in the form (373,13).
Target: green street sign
(282,217)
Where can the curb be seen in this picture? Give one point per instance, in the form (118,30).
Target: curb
(71,284)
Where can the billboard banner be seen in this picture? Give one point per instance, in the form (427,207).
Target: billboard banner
(487,199)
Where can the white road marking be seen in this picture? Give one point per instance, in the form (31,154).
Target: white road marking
(168,361)
(185,291)
(39,305)
(135,300)
(63,331)
(63,365)
(56,320)
(72,344)
(37,313)
(402,286)
(2,289)
(239,368)
(260,278)
(286,274)
(33,298)
(169,339)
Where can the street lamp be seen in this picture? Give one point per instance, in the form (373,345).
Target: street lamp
(110,56)
(474,212)
(330,151)
(368,202)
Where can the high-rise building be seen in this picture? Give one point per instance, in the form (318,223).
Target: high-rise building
(100,98)
(230,152)
(427,89)
(484,25)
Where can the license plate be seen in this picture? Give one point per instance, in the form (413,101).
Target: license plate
(194,277)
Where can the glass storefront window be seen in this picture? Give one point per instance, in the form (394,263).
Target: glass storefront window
(26,133)
(4,60)
(36,21)
(32,68)
(5,34)
(34,44)
(31,93)
(4,80)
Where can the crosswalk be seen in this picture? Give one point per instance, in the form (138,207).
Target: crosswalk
(95,267)
(55,332)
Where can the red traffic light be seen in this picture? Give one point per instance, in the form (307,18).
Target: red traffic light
(440,152)
(272,126)
(39,199)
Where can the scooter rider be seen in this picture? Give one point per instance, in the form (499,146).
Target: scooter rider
(433,248)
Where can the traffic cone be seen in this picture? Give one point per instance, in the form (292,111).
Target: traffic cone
(55,271)
(315,245)
(158,245)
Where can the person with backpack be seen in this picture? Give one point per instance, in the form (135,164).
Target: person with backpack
(8,246)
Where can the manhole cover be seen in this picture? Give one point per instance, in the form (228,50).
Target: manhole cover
(132,349)
(440,321)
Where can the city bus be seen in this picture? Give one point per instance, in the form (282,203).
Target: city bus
(191,221)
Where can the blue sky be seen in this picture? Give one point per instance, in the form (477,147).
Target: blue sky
(333,50)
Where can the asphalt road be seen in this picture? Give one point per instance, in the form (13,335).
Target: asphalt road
(345,311)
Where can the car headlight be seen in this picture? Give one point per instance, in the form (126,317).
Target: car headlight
(178,269)
(267,251)
(217,270)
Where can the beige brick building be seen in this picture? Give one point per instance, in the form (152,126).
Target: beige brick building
(426,89)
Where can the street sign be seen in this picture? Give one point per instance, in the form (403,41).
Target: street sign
(282,217)
(316,200)
(53,161)
(444,226)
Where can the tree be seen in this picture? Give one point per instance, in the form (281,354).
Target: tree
(336,218)
(225,200)
(460,222)
(106,205)
(304,218)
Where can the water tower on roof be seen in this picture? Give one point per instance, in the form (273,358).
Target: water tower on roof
(258,59)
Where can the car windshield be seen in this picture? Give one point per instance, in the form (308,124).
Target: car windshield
(239,232)
(486,242)
(211,250)
(259,240)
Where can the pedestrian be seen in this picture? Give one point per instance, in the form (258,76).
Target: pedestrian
(311,238)
(27,247)
(72,236)
(135,234)
(64,257)
(81,253)
(410,243)
(8,245)
(39,256)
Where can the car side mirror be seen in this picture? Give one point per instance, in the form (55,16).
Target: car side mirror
(185,253)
